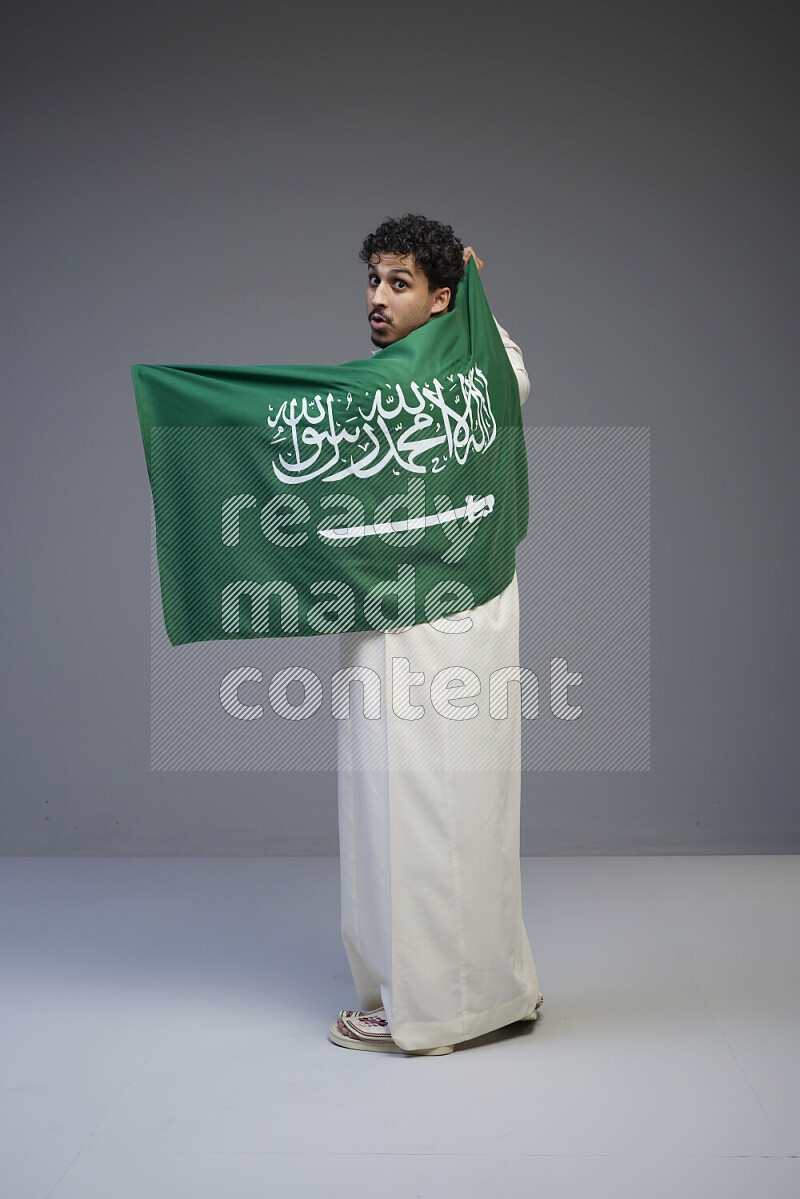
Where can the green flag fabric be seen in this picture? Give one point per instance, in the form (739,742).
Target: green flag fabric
(300,500)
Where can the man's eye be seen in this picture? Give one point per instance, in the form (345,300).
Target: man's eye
(401,283)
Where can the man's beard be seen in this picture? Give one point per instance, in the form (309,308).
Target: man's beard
(376,332)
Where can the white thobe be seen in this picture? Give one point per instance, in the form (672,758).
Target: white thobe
(429,821)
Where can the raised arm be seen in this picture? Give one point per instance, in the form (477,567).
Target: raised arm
(515,358)
(512,349)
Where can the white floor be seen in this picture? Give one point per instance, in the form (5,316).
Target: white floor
(164,1034)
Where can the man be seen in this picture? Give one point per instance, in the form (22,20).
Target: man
(429,809)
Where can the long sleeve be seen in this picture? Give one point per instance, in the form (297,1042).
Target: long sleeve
(515,358)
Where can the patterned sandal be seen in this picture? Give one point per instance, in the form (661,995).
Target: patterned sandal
(534,1014)
(370,1030)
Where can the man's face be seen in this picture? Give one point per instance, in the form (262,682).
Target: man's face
(398,299)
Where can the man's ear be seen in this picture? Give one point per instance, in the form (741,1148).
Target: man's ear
(441,300)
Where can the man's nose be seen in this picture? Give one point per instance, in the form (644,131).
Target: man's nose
(379,295)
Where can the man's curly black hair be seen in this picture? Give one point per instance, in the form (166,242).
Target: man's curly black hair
(436,249)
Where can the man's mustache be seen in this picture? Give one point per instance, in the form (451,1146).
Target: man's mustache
(382,315)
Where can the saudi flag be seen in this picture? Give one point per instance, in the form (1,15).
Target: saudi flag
(298,500)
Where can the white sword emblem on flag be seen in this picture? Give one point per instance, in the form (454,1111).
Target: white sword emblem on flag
(475,508)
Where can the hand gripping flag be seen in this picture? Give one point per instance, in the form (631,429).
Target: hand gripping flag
(299,500)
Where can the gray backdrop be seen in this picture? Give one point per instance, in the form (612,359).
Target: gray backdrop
(192,183)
